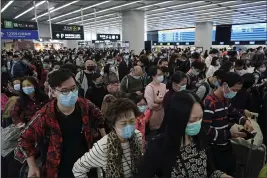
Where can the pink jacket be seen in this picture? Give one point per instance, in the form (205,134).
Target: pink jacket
(141,123)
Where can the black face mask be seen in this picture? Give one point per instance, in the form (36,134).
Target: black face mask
(90,68)
(99,85)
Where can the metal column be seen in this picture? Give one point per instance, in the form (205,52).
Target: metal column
(49,15)
(35,14)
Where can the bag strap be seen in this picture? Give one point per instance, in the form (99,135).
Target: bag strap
(81,77)
(127,83)
(206,85)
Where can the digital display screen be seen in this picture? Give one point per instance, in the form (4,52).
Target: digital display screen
(249,32)
(180,35)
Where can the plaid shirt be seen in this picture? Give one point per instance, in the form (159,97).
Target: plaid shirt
(219,117)
(45,118)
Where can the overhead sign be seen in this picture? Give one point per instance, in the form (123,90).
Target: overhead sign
(19,25)
(19,34)
(112,37)
(67,32)
(83,43)
(12,29)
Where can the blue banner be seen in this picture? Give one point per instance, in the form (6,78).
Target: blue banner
(19,34)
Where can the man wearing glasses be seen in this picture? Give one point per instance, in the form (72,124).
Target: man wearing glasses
(64,130)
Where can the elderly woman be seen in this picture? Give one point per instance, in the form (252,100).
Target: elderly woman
(118,153)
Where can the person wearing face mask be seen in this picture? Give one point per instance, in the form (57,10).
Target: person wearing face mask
(119,153)
(218,117)
(183,63)
(133,83)
(182,150)
(31,99)
(209,84)
(214,66)
(64,120)
(143,119)
(193,74)
(239,67)
(154,94)
(260,68)
(85,77)
(18,68)
(163,63)
(98,92)
(213,53)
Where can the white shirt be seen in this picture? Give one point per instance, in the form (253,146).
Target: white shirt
(211,71)
(208,61)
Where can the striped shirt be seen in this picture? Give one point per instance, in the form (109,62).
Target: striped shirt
(97,158)
(218,118)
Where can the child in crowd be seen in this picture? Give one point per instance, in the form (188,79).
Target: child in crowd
(143,119)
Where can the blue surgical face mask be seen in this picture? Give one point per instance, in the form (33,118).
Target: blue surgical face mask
(28,90)
(217,84)
(193,129)
(182,88)
(229,95)
(69,99)
(17,87)
(142,108)
(127,131)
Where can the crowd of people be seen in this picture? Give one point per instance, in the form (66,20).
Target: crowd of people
(108,113)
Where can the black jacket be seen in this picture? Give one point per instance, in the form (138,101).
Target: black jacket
(154,163)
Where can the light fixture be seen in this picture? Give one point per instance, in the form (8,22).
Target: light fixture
(38,4)
(6,6)
(115,7)
(179,5)
(56,9)
(98,17)
(154,4)
(98,4)
(103,20)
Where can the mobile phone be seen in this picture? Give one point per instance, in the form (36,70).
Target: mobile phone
(249,135)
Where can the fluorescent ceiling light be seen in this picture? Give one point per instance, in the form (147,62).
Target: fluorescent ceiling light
(103,21)
(73,12)
(56,9)
(251,3)
(179,5)
(38,4)
(154,4)
(191,8)
(98,17)
(115,7)
(6,6)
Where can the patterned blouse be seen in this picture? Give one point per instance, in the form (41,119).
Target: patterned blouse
(192,163)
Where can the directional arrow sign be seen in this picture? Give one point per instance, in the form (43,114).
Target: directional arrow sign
(57,35)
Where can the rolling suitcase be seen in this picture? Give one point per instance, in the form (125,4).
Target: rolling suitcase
(249,159)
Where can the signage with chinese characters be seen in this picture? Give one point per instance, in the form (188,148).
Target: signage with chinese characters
(19,34)
(111,37)
(12,29)
(83,43)
(18,25)
(67,32)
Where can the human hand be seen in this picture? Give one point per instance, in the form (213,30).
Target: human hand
(237,134)
(139,93)
(34,171)
(247,113)
(226,176)
(248,126)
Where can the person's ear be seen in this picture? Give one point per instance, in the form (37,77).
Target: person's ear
(52,92)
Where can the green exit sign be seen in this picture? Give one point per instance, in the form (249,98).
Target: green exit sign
(8,24)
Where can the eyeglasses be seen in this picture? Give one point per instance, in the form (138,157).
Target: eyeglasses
(67,91)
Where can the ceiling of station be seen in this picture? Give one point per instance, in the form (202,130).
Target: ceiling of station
(158,14)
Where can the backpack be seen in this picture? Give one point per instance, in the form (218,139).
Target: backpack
(205,84)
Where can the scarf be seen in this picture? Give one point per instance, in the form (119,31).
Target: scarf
(114,168)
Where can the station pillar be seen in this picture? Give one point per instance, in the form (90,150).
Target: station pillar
(133,29)
(203,35)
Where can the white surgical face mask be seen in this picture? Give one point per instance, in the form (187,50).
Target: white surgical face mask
(160,78)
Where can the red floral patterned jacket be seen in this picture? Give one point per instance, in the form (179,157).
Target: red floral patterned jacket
(45,118)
